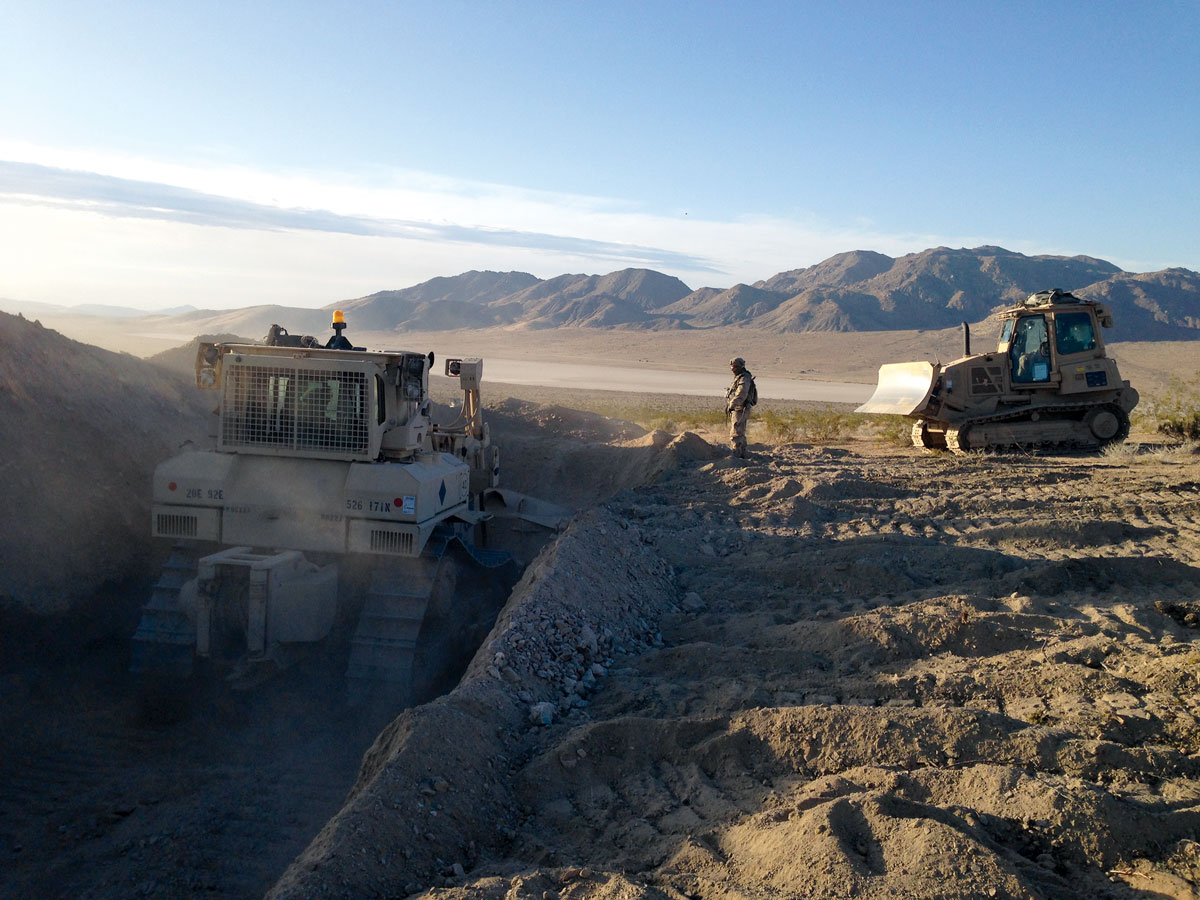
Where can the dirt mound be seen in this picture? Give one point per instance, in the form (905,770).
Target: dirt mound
(435,789)
(550,420)
(182,359)
(861,690)
(582,458)
(81,433)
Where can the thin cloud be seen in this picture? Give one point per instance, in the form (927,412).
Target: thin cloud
(83,225)
(127,198)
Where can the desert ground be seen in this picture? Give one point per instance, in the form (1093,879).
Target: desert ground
(836,669)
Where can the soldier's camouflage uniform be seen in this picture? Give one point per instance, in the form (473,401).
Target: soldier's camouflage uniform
(737,410)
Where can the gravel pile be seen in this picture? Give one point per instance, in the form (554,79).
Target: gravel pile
(436,787)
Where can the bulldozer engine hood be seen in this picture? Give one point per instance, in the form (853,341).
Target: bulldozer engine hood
(305,504)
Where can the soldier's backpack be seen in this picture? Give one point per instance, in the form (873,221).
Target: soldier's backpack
(752,397)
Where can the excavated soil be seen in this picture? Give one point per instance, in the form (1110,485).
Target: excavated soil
(842,671)
(822,672)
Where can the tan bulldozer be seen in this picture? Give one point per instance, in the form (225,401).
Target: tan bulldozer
(1048,384)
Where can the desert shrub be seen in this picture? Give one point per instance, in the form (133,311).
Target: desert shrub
(1183,427)
(815,426)
(1142,421)
(684,421)
(780,426)
(1177,412)
(818,425)
(1121,450)
(896,430)
(1181,452)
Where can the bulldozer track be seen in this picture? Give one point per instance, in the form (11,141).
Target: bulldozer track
(384,645)
(958,436)
(415,615)
(162,645)
(926,439)
(386,648)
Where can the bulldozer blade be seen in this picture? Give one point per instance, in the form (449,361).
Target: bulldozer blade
(903,389)
(503,503)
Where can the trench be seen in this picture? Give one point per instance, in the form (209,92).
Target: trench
(99,800)
(103,797)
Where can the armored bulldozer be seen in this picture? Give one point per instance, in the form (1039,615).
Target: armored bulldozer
(1048,384)
(331,501)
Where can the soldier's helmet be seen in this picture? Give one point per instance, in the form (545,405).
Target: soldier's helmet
(738,363)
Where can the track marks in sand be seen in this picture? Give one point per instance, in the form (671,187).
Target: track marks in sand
(794,801)
(897,676)
(884,675)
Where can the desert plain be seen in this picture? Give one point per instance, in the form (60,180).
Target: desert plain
(844,668)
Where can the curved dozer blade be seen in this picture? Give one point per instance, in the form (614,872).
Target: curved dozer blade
(515,505)
(903,389)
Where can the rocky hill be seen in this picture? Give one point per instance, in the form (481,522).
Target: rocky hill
(932,289)
(437,304)
(856,291)
(619,298)
(81,433)
(1157,306)
(485,299)
(938,288)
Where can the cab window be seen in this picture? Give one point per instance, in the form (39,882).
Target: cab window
(1030,351)
(1074,333)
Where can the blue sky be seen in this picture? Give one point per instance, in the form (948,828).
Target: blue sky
(225,154)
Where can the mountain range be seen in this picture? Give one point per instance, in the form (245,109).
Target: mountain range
(855,291)
(99,310)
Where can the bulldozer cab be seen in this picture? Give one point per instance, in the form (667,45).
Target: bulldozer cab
(1047,334)
(313,405)
(307,401)
(1029,349)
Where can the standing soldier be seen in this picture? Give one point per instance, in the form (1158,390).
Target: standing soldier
(742,395)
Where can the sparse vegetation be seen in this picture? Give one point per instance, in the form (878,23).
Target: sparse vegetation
(1181,452)
(771,421)
(686,421)
(1177,412)
(813,426)
(1158,453)
(781,425)
(1121,450)
(895,430)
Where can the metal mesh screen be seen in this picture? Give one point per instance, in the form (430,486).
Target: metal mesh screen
(289,408)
